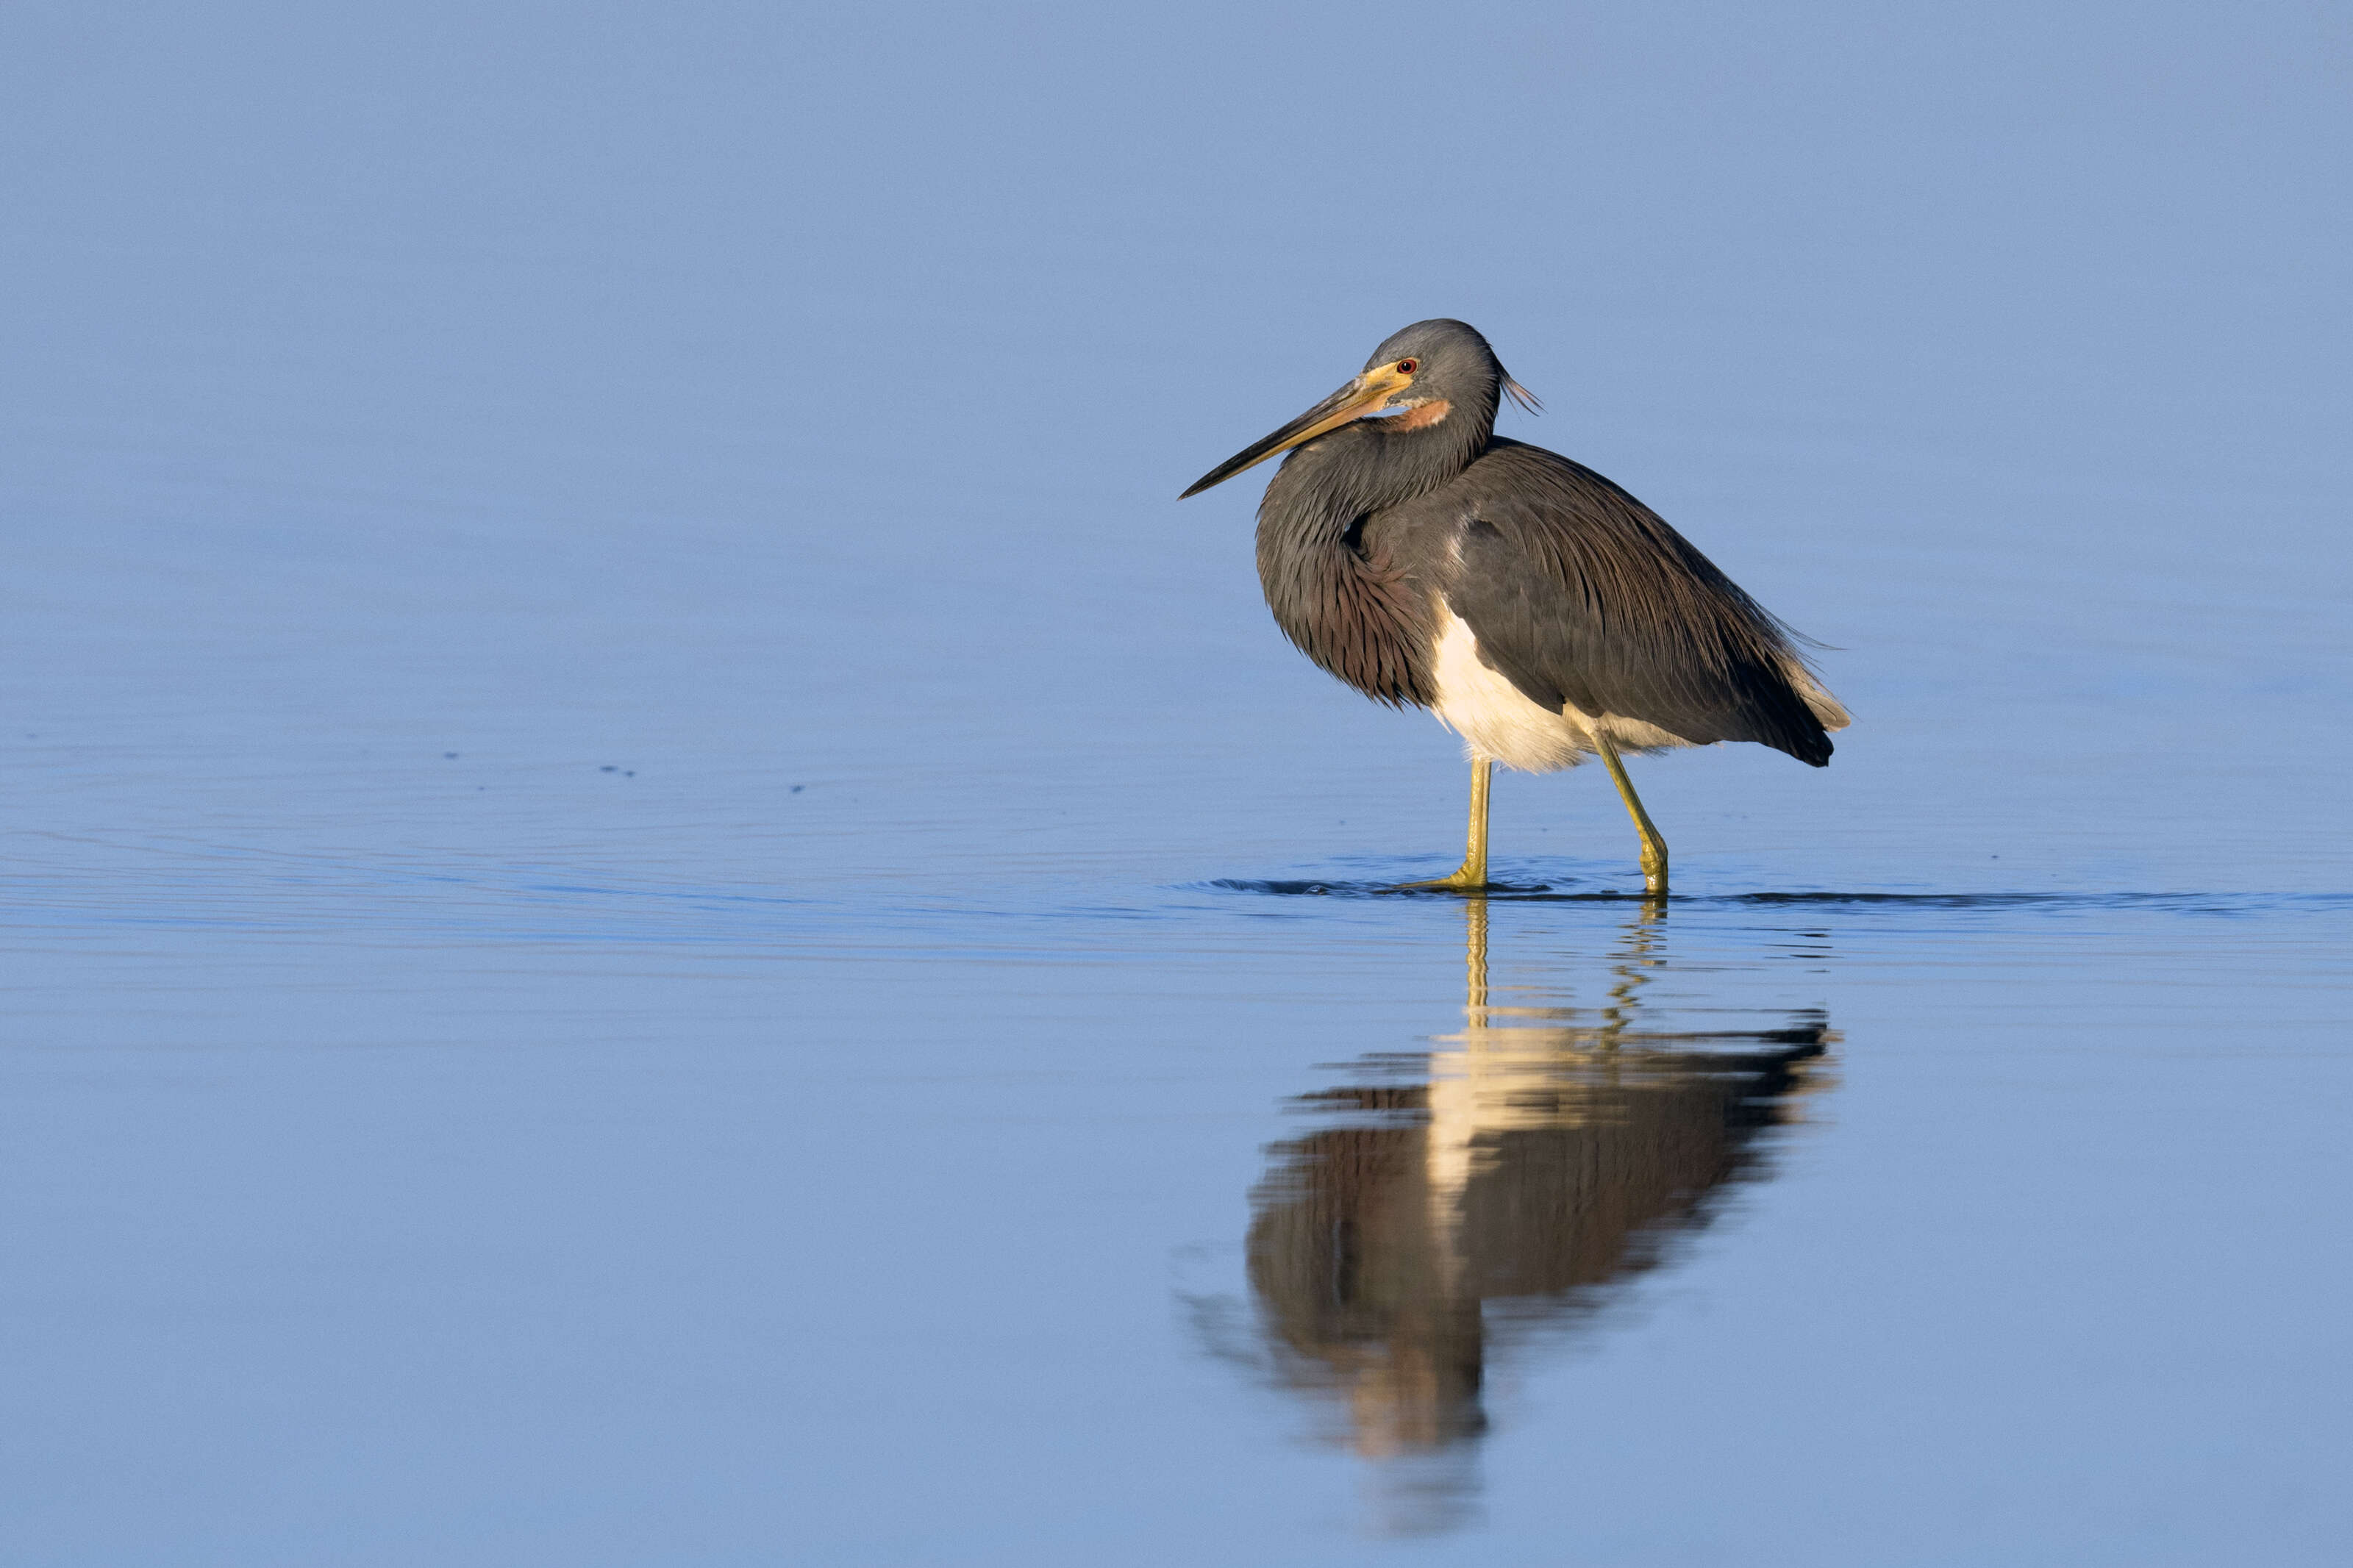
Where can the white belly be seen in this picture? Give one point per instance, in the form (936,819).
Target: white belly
(1496,720)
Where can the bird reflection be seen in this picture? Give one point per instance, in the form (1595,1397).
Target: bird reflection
(1498,1187)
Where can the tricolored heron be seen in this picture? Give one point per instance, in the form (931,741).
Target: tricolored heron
(1541,612)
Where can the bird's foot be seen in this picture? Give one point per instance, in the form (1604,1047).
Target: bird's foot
(1463,880)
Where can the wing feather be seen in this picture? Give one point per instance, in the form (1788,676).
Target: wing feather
(1581,595)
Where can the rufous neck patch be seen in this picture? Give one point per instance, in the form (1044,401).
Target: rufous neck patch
(1423,415)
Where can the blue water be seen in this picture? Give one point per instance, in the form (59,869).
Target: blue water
(659,907)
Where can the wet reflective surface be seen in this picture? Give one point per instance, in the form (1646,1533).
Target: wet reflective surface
(659,908)
(1206,1226)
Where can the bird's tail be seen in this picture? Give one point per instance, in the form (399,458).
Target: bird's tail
(1828,710)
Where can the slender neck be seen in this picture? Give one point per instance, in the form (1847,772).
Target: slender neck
(1346,606)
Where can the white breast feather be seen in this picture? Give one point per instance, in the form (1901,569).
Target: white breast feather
(1496,719)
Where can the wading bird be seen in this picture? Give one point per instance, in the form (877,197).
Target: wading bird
(1542,613)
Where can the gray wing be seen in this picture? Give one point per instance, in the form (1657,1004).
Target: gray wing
(1580,593)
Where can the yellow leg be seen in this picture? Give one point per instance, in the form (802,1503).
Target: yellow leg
(1654,849)
(1473,877)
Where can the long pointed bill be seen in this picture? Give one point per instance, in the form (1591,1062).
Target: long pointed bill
(1358,398)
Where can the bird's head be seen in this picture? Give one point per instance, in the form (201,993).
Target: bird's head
(1431,375)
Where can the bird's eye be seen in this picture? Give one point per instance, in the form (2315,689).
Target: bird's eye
(1407,366)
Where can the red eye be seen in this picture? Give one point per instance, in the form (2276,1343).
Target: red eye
(1407,366)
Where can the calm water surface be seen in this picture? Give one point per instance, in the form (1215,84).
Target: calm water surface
(660,909)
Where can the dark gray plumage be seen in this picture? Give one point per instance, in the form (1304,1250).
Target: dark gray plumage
(1424,559)
(1583,596)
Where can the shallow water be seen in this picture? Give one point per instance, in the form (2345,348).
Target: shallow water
(661,909)
(1999,1221)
